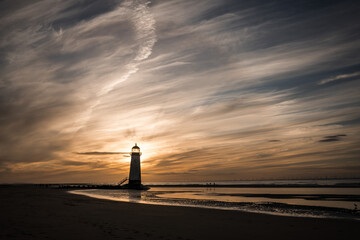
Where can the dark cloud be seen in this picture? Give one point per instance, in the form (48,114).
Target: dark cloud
(330,140)
(100,153)
(333,138)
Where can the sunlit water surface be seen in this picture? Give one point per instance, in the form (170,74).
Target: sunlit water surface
(331,202)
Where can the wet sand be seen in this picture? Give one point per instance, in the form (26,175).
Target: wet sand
(40,213)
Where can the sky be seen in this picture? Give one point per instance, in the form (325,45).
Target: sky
(210,89)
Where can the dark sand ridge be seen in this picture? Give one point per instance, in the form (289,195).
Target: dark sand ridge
(34,213)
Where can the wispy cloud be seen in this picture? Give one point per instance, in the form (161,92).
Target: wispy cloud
(209,89)
(339,77)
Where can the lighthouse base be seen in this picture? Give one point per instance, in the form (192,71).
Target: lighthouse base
(134,182)
(135,186)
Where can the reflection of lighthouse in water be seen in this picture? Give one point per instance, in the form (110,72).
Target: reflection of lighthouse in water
(135,171)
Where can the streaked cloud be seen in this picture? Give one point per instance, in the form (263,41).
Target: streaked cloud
(339,77)
(209,90)
(333,138)
(101,153)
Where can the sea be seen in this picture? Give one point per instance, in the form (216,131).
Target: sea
(334,198)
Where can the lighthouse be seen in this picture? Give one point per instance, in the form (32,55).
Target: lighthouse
(135,171)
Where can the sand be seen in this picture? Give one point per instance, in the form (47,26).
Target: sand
(38,213)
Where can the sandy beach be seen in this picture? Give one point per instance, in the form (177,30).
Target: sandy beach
(30,212)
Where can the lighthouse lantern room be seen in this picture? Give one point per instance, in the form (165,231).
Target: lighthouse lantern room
(135,171)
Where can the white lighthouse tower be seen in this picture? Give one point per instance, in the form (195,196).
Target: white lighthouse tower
(135,171)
